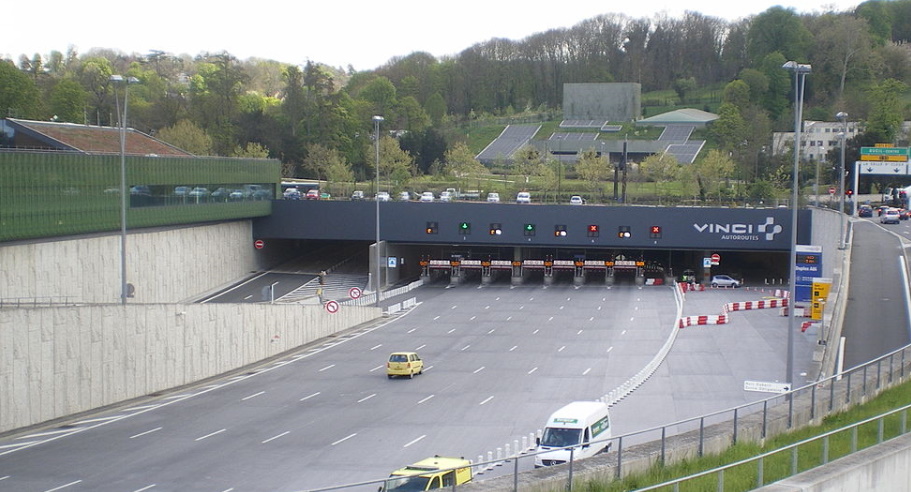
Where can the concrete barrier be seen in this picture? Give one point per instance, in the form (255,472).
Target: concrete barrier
(60,361)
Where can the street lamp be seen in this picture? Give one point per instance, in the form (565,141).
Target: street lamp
(800,75)
(843,118)
(126,81)
(376,139)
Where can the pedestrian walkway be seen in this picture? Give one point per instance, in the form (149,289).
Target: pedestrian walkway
(336,287)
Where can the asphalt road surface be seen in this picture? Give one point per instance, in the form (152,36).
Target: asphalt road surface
(499,360)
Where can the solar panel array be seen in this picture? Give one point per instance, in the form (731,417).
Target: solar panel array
(685,152)
(574,136)
(513,138)
(677,133)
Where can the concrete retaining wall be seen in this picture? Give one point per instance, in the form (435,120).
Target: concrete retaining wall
(59,361)
(164,265)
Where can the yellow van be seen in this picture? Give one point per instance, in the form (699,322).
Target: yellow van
(404,364)
(430,473)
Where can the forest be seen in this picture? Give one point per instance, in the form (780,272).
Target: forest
(316,119)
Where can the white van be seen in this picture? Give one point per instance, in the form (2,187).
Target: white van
(583,426)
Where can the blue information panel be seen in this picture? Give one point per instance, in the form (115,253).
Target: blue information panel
(809,268)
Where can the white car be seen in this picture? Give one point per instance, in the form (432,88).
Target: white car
(890,216)
(382,196)
(445,196)
(427,196)
(576,200)
(493,197)
(724,281)
(523,197)
(404,196)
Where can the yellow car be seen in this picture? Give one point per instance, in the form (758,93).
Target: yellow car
(428,474)
(404,364)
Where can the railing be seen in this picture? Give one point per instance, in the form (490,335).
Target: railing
(20,302)
(713,432)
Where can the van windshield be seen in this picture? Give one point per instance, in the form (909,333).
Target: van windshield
(559,438)
(406,484)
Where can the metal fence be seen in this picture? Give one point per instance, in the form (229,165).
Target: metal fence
(714,432)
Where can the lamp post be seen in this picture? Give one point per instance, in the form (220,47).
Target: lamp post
(376,139)
(800,75)
(126,81)
(843,118)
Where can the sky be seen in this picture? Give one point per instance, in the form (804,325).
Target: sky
(361,34)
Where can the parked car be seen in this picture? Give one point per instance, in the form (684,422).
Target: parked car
(493,197)
(182,191)
(427,196)
(357,195)
(292,194)
(576,200)
(523,197)
(724,281)
(382,196)
(404,196)
(313,194)
(220,194)
(445,196)
(404,364)
(199,192)
(141,190)
(890,216)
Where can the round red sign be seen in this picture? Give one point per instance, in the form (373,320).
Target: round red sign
(259,244)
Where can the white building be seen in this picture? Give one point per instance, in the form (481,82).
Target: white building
(819,137)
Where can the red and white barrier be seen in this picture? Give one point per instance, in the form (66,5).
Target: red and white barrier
(702,320)
(747,305)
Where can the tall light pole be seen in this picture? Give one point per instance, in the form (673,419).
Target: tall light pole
(843,118)
(126,81)
(376,140)
(800,75)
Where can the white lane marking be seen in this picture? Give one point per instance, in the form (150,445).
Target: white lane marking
(522,307)
(465,347)
(377,368)
(100,419)
(579,332)
(63,486)
(146,432)
(344,439)
(513,348)
(485,401)
(210,435)
(497,298)
(141,407)
(362,400)
(532,370)
(309,396)
(592,318)
(276,437)
(453,307)
(599,308)
(586,371)
(610,348)
(491,331)
(246,298)
(550,319)
(508,318)
(472,318)
(376,346)
(414,441)
(254,395)
(42,434)
(420,347)
(561,307)
(19,445)
(535,332)
(486,307)
(424,399)
(330,366)
(561,348)
(412,330)
(478,370)
(623,332)
(147,487)
(450,331)
(436,318)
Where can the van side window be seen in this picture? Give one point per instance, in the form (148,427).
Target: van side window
(587,437)
(448,478)
(434,483)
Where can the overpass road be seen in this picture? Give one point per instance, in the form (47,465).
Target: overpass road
(499,360)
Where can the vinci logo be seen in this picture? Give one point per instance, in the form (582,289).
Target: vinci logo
(743,232)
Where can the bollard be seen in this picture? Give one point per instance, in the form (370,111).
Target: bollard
(499,456)
(480,460)
(490,460)
(515,445)
(525,443)
(508,454)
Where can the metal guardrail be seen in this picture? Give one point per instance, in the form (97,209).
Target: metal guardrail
(20,302)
